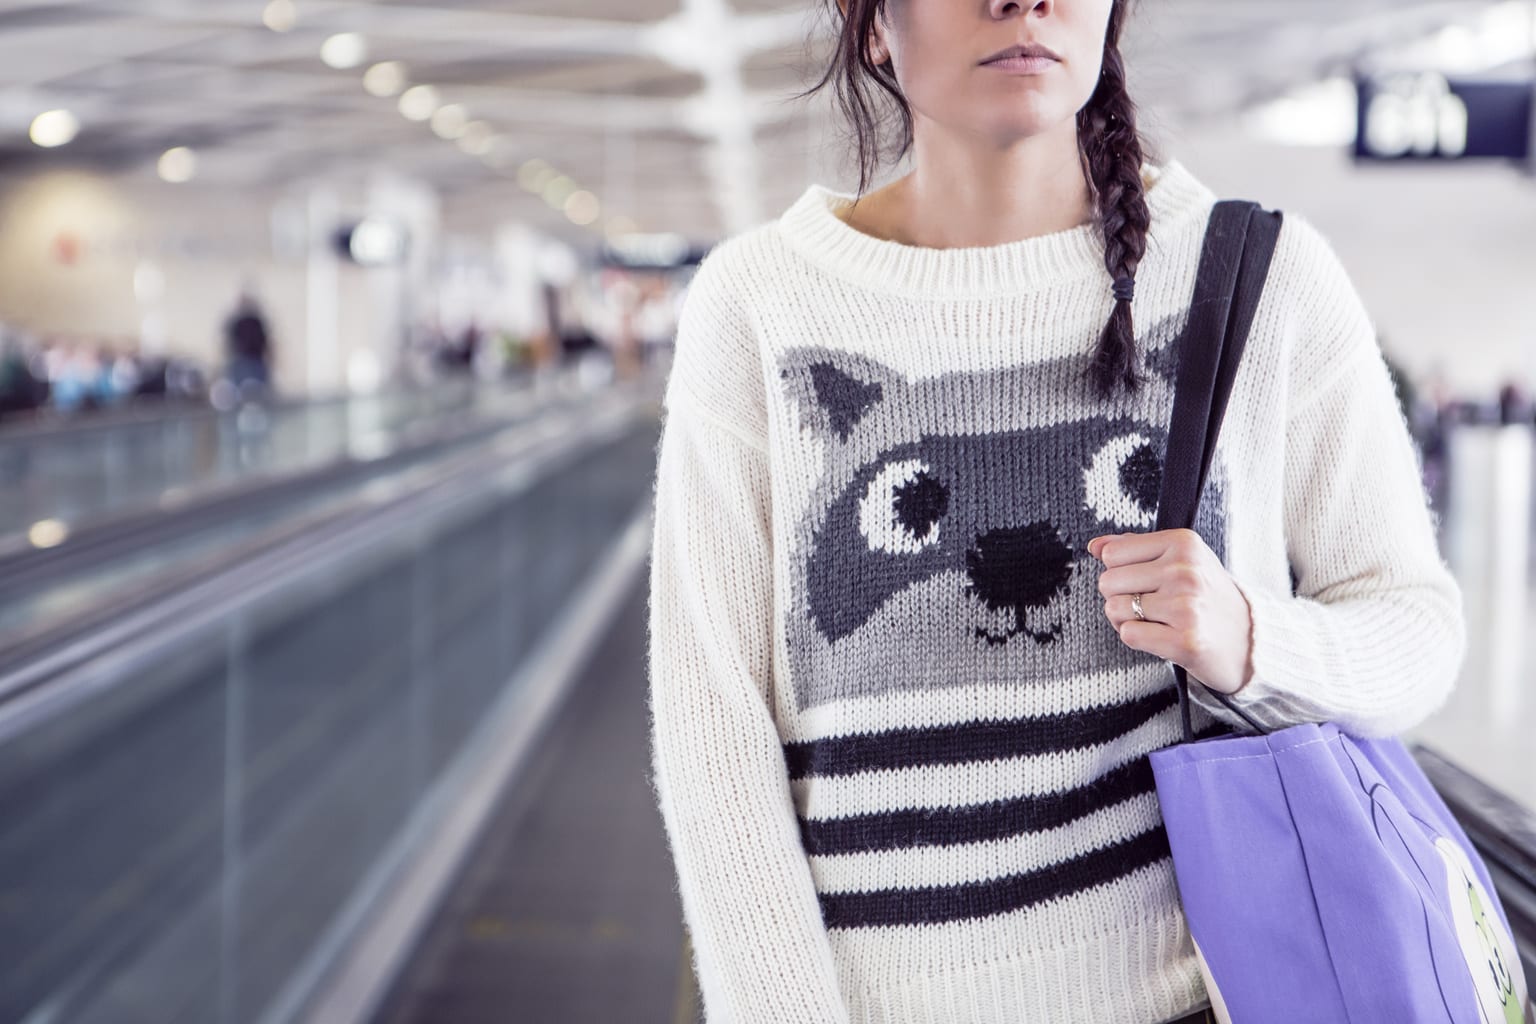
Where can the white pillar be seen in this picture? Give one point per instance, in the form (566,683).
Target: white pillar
(322,341)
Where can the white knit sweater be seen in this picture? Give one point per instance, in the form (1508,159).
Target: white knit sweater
(899,750)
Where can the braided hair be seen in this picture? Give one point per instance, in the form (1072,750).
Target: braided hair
(1112,156)
(1109,145)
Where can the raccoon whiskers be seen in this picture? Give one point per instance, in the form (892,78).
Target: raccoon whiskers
(1048,636)
(1038,636)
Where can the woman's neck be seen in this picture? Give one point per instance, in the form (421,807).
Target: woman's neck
(1024,194)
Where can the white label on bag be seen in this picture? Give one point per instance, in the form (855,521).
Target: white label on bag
(1485,943)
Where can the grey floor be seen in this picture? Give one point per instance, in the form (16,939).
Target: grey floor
(1489,723)
(566,912)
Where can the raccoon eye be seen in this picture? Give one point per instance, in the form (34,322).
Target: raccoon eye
(900,511)
(1121,482)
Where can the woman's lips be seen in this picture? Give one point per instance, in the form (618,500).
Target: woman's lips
(1022,65)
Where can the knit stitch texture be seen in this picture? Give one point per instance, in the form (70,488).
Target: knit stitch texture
(898,748)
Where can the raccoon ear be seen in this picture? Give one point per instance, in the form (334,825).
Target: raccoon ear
(1161,348)
(835,390)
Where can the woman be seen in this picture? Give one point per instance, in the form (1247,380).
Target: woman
(910,625)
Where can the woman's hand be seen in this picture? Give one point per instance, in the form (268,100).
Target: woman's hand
(1196,615)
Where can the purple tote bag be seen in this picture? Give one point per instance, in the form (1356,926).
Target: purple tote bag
(1322,877)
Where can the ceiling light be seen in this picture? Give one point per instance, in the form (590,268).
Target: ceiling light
(500,155)
(418,102)
(581,207)
(385,79)
(477,138)
(449,121)
(376,242)
(558,190)
(55,128)
(1457,46)
(344,50)
(178,165)
(1324,114)
(1499,34)
(280,15)
(619,224)
(534,174)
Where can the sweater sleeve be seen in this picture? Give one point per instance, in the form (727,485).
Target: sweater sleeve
(1375,634)
(762,953)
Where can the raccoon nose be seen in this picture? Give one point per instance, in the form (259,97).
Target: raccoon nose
(1018,566)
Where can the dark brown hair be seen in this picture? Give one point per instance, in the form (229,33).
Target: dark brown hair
(1108,141)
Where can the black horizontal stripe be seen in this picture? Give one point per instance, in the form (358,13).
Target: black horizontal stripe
(972,900)
(943,826)
(972,741)
(997,819)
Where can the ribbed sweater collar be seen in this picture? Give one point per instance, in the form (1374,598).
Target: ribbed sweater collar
(812,227)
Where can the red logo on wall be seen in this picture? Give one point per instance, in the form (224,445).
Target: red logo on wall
(66,248)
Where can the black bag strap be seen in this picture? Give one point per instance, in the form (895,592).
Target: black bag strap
(1240,239)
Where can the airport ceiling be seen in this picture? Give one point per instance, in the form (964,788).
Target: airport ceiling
(673,112)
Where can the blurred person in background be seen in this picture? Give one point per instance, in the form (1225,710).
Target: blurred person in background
(111,386)
(1402,381)
(1433,420)
(127,371)
(910,622)
(467,347)
(74,369)
(20,391)
(248,348)
(1514,405)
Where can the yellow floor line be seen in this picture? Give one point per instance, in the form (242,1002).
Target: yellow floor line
(685,1009)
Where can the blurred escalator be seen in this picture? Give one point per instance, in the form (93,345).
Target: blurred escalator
(203,786)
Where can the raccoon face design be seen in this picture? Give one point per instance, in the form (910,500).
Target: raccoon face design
(946,541)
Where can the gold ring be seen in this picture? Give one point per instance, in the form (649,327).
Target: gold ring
(1136,607)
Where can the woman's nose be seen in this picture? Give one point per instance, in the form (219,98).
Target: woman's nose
(1005,8)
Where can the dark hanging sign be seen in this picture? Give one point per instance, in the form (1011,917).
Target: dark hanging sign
(1413,116)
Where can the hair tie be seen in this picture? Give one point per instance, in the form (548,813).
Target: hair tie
(1124,288)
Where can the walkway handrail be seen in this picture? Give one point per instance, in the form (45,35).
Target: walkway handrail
(48,678)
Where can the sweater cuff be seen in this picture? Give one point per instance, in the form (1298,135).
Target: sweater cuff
(1284,655)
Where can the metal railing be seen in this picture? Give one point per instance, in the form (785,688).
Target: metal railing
(194,791)
(103,466)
